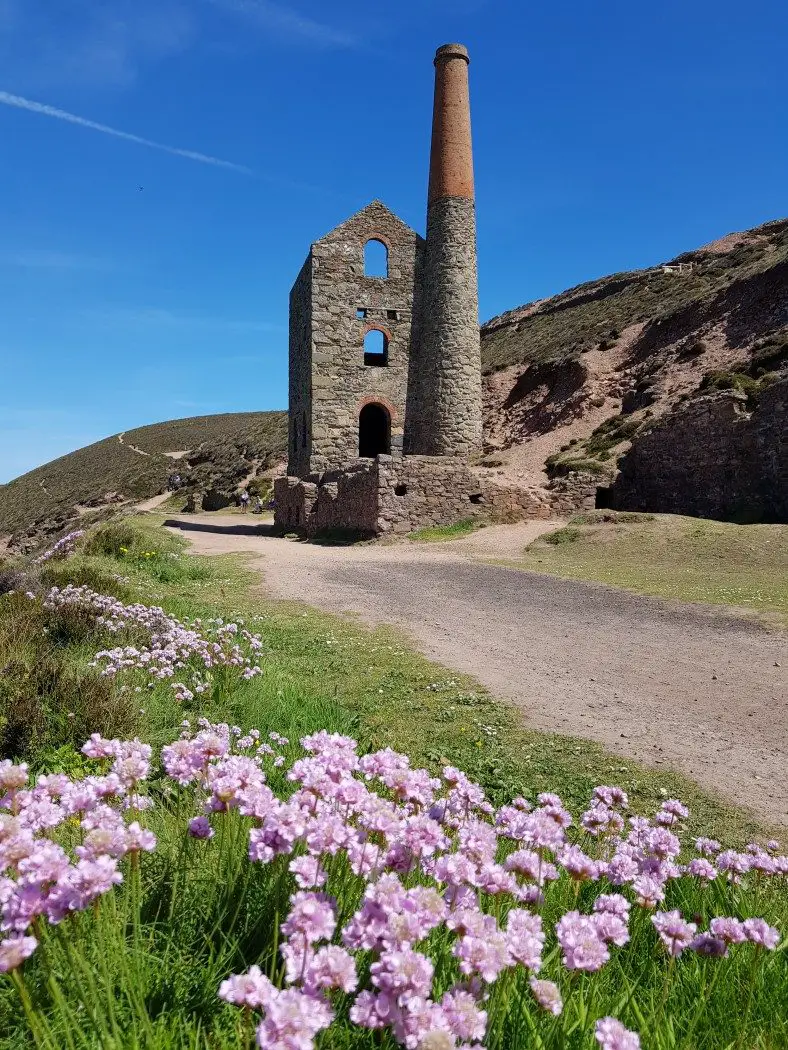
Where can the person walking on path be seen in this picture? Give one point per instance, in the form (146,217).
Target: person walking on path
(244,501)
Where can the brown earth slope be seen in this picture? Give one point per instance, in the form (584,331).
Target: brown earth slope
(574,382)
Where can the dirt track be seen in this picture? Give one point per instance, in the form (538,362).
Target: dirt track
(681,686)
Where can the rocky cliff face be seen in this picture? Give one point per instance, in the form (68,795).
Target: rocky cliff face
(642,379)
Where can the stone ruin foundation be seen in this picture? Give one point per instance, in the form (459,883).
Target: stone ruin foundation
(393,496)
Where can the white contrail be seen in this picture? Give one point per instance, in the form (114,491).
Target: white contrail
(18,102)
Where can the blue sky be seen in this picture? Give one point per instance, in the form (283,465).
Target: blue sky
(607,135)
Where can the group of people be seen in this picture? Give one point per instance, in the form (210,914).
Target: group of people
(244,499)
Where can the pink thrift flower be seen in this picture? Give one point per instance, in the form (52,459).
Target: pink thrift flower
(611,928)
(615,903)
(759,932)
(702,869)
(708,944)
(707,847)
(14,951)
(674,932)
(12,778)
(582,947)
(312,915)
(292,1020)
(525,937)
(332,967)
(252,989)
(649,891)
(547,994)
(577,864)
(308,872)
(466,1021)
(403,974)
(729,930)
(612,797)
(200,828)
(612,1035)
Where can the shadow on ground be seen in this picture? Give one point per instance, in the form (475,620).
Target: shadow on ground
(260,529)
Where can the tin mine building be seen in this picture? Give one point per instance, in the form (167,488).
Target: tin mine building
(385,374)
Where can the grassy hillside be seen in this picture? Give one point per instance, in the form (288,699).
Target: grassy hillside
(220,450)
(584,317)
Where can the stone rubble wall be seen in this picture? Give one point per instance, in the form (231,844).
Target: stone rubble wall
(713,457)
(392,495)
(575,492)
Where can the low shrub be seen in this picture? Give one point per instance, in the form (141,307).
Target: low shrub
(562,536)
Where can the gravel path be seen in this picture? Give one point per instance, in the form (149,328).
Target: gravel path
(682,686)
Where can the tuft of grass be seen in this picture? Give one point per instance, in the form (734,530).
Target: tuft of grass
(438,533)
(670,556)
(618,517)
(561,536)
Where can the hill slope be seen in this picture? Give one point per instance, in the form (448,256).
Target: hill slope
(207,451)
(576,381)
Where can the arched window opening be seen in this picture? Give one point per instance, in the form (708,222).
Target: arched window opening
(303,431)
(376,259)
(376,348)
(374,431)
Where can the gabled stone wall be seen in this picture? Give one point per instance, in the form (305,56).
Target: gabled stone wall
(330,346)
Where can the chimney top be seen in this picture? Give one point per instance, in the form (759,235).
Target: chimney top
(452,51)
(451,159)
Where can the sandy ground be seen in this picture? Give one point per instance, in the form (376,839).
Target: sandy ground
(681,686)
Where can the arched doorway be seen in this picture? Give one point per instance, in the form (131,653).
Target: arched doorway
(374,431)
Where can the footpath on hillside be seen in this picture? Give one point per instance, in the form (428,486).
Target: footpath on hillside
(682,686)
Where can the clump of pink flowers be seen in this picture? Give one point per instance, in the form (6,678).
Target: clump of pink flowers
(62,549)
(440,897)
(188,655)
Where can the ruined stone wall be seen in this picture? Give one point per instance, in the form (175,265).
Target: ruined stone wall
(576,492)
(421,491)
(398,495)
(714,457)
(337,500)
(300,369)
(341,383)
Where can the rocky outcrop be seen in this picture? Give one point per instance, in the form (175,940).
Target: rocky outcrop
(717,456)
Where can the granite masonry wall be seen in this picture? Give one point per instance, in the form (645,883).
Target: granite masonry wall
(327,337)
(448,416)
(300,373)
(717,456)
(399,495)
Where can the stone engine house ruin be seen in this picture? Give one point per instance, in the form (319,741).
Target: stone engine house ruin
(385,372)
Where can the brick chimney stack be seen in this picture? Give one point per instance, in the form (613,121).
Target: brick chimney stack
(449,359)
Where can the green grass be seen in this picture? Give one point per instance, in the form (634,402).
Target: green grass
(142,968)
(669,556)
(438,533)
